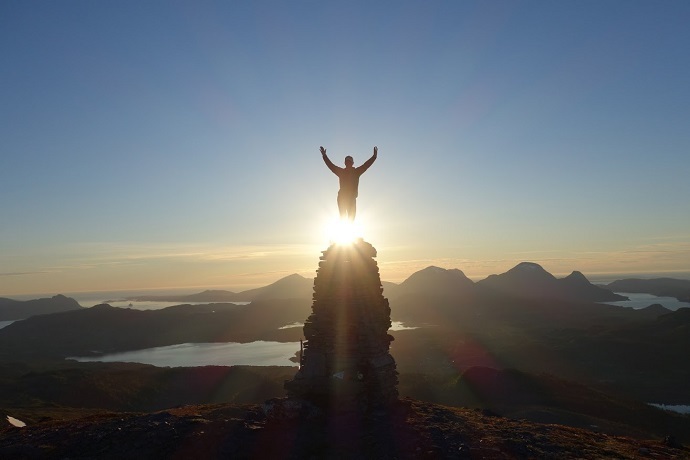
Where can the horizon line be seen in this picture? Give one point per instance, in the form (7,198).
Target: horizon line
(241,288)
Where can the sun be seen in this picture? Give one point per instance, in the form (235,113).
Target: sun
(341,231)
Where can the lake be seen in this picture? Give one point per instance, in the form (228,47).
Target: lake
(639,301)
(681,409)
(395,326)
(143,305)
(257,353)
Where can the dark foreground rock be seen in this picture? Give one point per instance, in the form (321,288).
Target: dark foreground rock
(410,429)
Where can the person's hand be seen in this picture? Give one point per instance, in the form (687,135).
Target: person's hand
(323,151)
(376,151)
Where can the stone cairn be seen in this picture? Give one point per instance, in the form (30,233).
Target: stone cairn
(346,364)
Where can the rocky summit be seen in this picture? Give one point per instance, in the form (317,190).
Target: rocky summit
(408,429)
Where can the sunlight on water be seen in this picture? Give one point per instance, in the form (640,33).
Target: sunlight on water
(141,304)
(292,325)
(257,353)
(399,326)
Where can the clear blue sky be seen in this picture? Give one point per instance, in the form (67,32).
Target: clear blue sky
(175,144)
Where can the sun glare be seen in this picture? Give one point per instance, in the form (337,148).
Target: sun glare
(343,231)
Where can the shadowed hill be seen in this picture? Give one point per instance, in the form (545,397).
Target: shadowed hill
(32,395)
(530,280)
(104,329)
(640,352)
(210,295)
(546,399)
(436,282)
(44,391)
(291,287)
(17,309)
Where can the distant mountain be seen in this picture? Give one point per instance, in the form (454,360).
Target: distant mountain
(204,296)
(530,280)
(389,288)
(435,281)
(291,287)
(527,280)
(664,287)
(577,287)
(17,309)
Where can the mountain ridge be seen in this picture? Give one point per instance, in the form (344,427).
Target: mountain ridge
(13,310)
(530,280)
(526,279)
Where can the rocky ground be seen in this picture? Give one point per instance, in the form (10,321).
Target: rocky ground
(412,429)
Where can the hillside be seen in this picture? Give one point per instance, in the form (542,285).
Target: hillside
(290,287)
(11,309)
(61,390)
(99,329)
(412,429)
(530,280)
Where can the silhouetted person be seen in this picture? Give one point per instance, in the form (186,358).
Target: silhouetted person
(349,182)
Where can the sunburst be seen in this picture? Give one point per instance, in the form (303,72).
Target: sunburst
(341,231)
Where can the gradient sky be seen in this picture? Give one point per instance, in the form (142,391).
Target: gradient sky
(166,144)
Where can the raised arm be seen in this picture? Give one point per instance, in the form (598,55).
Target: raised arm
(369,162)
(328,162)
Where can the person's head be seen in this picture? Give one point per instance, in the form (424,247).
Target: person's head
(349,161)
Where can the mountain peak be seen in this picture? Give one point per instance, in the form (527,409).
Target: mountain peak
(435,281)
(11,310)
(577,276)
(434,270)
(528,266)
(528,279)
(291,286)
(529,269)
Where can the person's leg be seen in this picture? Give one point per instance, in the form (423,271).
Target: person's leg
(352,209)
(342,206)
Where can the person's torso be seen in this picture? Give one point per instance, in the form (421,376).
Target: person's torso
(349,181)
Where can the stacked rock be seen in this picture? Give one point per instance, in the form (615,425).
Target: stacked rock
(346,362)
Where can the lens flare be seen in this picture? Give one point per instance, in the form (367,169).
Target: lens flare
(343,231)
